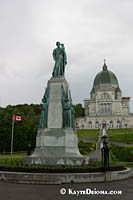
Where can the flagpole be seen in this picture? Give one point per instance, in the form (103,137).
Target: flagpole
(12,134)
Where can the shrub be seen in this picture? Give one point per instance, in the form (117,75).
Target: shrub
(86,147)
(123,153)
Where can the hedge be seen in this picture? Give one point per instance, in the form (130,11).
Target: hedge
(123,153)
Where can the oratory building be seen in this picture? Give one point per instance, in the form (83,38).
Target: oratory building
(106,104)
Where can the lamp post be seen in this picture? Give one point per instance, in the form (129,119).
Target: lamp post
(105,152)
(29,150)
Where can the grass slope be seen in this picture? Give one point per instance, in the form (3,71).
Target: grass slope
(89,134)
(115,135)
(121,135)
(13,156)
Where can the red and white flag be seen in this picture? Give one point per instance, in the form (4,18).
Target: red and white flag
(18,118)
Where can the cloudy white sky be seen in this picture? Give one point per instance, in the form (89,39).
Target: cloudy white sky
(92,30)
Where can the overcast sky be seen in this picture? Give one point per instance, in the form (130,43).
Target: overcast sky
(92,30)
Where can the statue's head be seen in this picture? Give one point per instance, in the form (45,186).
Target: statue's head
(57,44)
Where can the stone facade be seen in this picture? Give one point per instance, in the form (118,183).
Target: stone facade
(106,104)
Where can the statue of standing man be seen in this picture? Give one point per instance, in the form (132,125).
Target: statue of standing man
(44,112)
(59,56)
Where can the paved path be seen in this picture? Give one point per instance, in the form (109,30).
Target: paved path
(88,140)
(121,144)
(10,191)
(93,141)
(131,171)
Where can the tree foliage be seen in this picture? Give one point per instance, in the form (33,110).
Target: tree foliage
(123,153)
(24,131)
(79,110)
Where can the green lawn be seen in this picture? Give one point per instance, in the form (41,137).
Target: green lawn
(90,134)
(13,155)
(121,135)
(115,135)
(12,160)
(16,159)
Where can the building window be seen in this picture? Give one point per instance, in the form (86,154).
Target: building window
(82,126)
(104,124)
(105,108)
(76,125)
(97,125)
(90,124)
(105,96)
(111,124)
(118,124)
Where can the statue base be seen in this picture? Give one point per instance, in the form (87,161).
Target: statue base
(56,147)
(56,144)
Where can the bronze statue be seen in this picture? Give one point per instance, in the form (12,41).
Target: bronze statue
(72,111)
(68,110)
(67,114)
(44,112)
(59,56)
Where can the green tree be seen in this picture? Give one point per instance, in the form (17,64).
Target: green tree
(79,110)
(24,131)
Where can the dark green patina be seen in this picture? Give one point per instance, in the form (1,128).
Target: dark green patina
(44,112)
(68,109)
(105,77)
(59,56)
(67,106)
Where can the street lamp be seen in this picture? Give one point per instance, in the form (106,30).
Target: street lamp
(105,152)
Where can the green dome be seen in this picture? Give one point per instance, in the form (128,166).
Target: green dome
(105,77)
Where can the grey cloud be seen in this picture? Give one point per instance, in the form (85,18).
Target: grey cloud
(91,30)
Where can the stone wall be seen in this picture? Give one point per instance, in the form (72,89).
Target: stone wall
(49,178)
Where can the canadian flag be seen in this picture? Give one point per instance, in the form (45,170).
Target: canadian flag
(18,118)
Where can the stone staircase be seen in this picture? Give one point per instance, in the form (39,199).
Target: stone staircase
(96,155)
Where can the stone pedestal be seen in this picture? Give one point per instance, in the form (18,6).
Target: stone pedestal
(56,144)
(55,110)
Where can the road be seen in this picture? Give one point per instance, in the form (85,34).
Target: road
(9,191)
